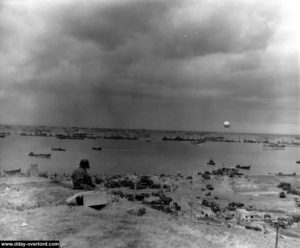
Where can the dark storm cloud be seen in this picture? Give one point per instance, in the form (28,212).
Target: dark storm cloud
(232,27)
(131,42)
(182,64)
(115,24)
(223,31)
(244,62)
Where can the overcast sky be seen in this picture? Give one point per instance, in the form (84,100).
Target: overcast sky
(159,64)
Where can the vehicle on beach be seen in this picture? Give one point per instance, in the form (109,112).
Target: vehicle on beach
(58,149)
(245,167)
(282,194)
(97,148)
(211,162)
(39,155)
(209,187)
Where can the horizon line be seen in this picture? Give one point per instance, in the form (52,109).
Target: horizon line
(149,129)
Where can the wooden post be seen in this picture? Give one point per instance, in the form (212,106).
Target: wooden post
(191,209)
(192,202)
(277,227)
(134,190)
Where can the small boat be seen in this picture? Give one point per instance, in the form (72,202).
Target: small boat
(274,146)
(13,172)
(298,162)
(58,149)
(39,155)
(211,162)
(198,142)
(97,148)
(245,167)
(76,137)
(283,174)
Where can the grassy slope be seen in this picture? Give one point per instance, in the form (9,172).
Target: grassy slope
(47,218)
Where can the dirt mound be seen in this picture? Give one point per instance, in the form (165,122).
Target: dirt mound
(32,195)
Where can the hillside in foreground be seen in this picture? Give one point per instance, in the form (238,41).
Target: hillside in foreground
(35,209)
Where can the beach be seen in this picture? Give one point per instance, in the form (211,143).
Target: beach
(35,208)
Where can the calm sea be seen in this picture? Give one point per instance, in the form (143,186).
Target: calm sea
(155,157)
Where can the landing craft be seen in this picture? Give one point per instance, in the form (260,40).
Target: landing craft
(226,124)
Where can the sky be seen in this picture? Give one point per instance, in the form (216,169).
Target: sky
(153,64)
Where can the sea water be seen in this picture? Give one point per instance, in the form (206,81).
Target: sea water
(138,156)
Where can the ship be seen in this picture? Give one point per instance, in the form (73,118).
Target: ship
(97,148)
(58,149)
(13,172)
(39,155)
(245,167)
(211,162)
